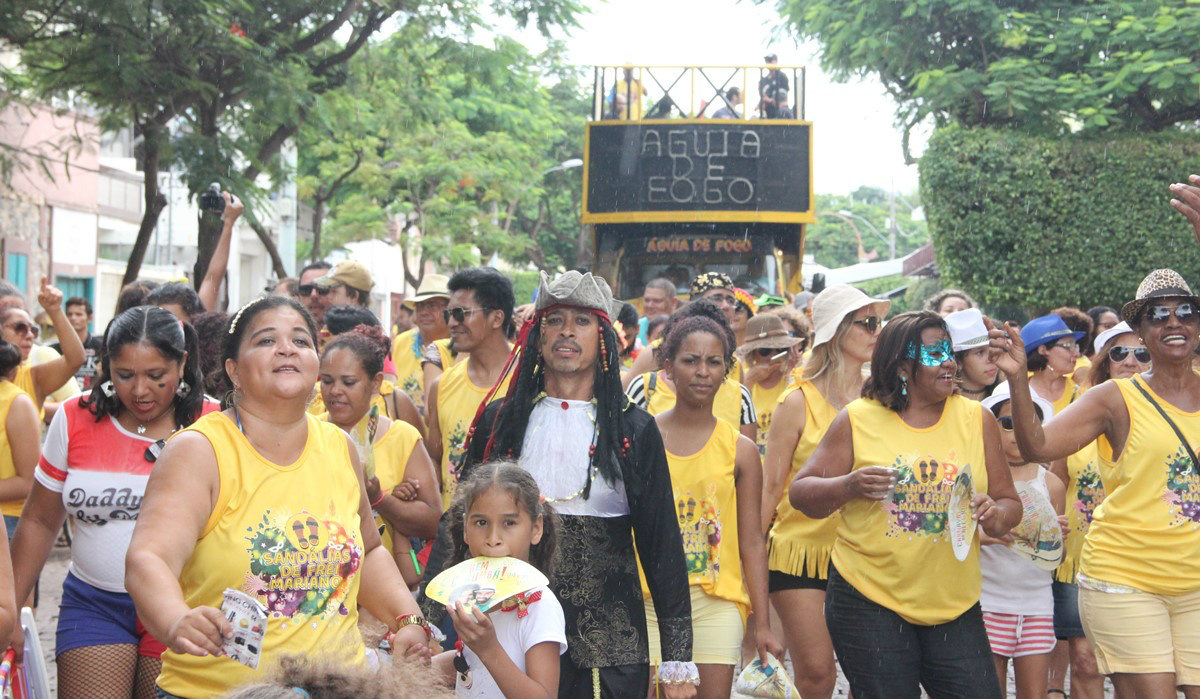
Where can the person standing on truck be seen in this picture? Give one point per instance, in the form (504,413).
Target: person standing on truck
(769,87)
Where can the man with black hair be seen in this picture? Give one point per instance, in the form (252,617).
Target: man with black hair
(178,298)
(733,98)
(479,315)
(79,314)
(769,86)
(315,299)
(600,461)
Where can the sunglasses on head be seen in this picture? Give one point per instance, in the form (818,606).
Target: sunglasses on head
(22,328)
(1120,352)
(871,323)
(460,314)
(1184,313)
(307,289)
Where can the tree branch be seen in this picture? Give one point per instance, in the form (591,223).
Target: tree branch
(323,32)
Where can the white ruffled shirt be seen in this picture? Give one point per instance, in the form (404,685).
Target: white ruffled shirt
(555,453)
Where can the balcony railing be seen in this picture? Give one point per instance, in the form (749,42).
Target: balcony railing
(637,92)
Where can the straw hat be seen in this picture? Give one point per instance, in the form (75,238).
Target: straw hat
(967,330)
(433,286)
(1103,338)
(766,331)
(1159,284)
(835,303)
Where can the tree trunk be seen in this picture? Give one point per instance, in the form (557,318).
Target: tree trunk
(269,243)
(318,217)
(154,200)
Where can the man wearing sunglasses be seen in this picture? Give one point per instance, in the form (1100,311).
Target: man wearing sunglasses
(315,299)
(479,316)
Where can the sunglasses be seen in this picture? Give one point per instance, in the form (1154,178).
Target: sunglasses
(1120,352)
(1006,423)
(1066,344)
(768,352)
(460,314)
(871,323)
(1184,313)
(154,450)
(308,289)
(22,328)
(722,299)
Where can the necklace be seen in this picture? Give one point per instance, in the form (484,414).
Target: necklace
(595,470)
(971,392)
(141,429)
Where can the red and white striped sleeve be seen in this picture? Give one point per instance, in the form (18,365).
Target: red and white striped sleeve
(51,470)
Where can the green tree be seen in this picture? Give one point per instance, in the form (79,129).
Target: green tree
(842,220)
(456,147)
(1042,65)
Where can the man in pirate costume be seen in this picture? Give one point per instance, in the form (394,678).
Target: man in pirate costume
(600,461)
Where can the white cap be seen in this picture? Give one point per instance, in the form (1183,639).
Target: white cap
(1001,396)
(835,303)
(967,330)
(1103,338)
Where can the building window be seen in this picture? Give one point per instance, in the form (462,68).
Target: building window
(16,269)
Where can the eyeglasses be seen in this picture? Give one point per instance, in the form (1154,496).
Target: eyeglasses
(1068,345)
(22,328)
(871,323)
(307,289)
(1118,354)
(153,451)
(1184,313)
(460,314)
(1006,423)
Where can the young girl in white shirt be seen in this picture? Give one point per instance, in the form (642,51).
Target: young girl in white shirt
(513,651)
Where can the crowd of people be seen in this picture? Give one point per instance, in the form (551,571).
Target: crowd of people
(921,500)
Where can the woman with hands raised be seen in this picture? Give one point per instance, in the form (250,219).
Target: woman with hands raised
(902,609)
(1139,571)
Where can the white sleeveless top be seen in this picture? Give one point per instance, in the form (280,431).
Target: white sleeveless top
(1012,584)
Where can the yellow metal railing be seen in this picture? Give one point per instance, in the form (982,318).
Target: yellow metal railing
(635,92)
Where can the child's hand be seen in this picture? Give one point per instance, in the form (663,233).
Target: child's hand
(474,628)
(1064,525)
(407,491)
(986,540)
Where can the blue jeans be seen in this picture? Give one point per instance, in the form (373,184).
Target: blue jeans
(886,657)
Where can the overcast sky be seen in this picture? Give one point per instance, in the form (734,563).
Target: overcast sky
(855,142)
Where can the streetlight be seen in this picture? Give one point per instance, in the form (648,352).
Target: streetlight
(889,239)
(564,165)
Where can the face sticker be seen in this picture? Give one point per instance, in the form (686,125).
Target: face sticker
(931,355)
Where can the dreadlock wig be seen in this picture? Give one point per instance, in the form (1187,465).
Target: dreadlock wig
(610,450)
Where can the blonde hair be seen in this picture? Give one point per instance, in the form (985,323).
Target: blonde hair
(827,358)
(324,679)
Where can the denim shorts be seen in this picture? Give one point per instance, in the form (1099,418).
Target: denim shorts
(1067,624)
(90,616)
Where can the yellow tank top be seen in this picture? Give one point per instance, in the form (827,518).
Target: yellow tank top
(1146,533)
(1070,393)
(392,452)
(706,505)
(797,544)
(765,400)
(458,400)
(897,552)
(8,469)
(406,355)
(727,405)
(387,388)
(287,535)
(1085,492)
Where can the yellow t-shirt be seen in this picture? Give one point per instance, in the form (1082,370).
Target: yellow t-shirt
(1085,492)
(392,452)
(797,544)
(8,469)
(1146,533)
(379,400)
(458,400)
(765,400)
(1071,391)
(287,535)
(407,350)
(727,405)
(897,552)
(706,504)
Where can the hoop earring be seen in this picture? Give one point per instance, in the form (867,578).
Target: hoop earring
(183,389)
(107,389)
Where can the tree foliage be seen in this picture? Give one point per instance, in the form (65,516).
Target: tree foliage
(1046,65)
(453,142)
(834,240)
(1020,221)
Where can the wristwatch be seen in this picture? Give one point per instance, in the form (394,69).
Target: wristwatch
(413,620)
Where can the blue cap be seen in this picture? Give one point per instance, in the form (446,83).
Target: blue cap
(1044,330)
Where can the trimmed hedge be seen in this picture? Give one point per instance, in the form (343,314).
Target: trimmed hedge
(1030,222)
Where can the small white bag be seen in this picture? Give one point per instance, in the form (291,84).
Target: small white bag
(770,682)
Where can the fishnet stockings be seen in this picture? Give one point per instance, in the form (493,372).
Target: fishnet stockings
(106,672)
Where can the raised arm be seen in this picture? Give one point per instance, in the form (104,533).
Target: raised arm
(211,283)
(49,376)
(1187,201)
(787,425)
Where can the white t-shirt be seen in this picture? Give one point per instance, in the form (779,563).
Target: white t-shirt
(543,624)
(1012,584)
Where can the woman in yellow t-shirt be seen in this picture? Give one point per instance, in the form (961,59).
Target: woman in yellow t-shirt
(19,435)
(263,505)
(902,603)
(1139,569)
(716,477)
(18,329)
(798,547)
(401,483)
